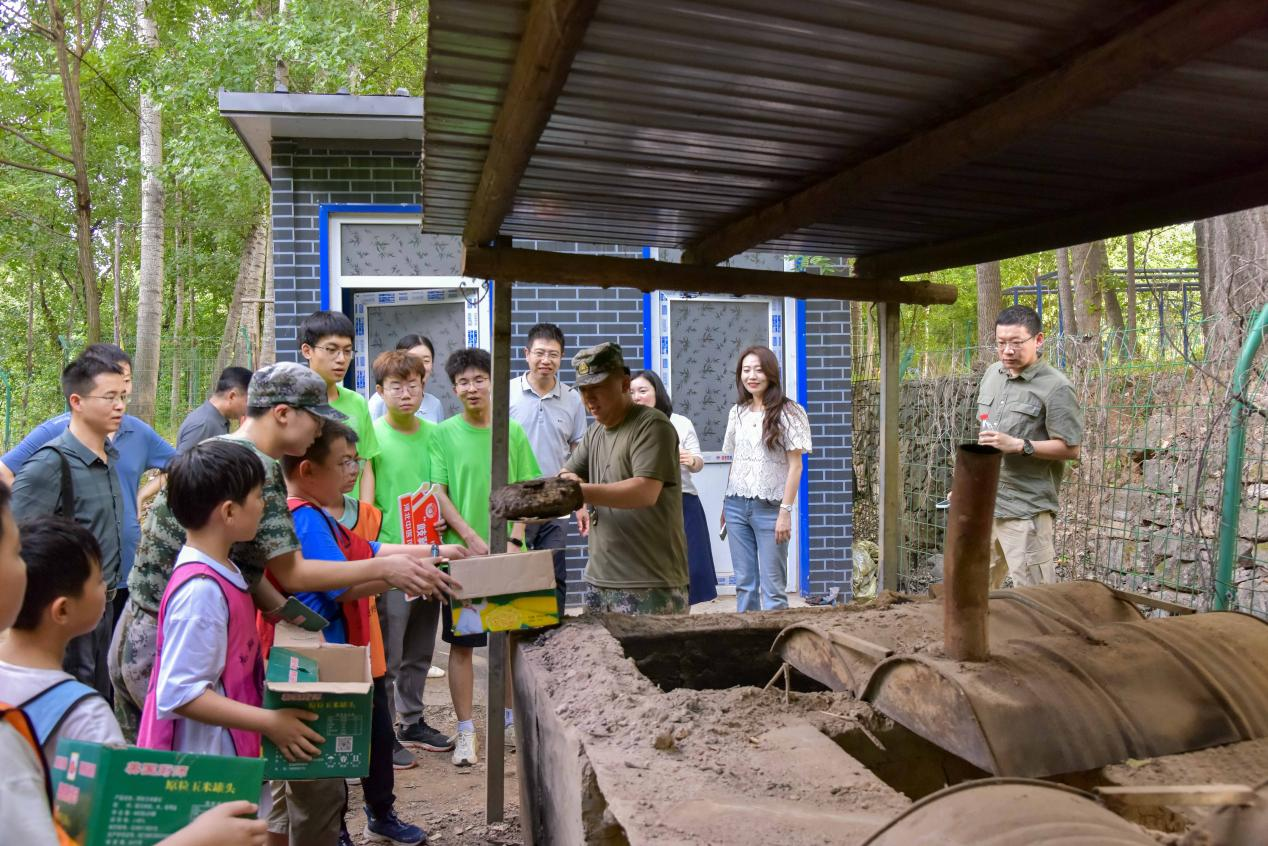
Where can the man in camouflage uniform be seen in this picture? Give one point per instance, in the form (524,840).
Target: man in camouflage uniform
(627,465)
(1038,425)
(286,404)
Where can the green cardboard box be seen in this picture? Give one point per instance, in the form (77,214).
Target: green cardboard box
(111,795)
(504,593)
(333,680)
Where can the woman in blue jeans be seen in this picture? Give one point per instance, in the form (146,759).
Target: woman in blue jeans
(766,435)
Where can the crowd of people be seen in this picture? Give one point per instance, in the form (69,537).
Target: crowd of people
(154,632)
(145,612)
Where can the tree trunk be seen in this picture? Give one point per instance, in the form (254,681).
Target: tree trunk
(989,304)
(68,64)
(1088,263)
(1132,347)
(248,272)
(176,412)
(1233,278)
(149,313)
(1065,295)
(268,321)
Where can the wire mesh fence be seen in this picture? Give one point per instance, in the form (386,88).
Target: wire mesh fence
(1142,507)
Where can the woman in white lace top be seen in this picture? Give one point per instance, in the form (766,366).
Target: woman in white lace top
(766,435)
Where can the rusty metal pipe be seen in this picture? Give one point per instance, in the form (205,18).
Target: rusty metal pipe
(966,554)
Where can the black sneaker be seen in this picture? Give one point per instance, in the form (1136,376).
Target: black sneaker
(402,758)
(426,737)
(390,829)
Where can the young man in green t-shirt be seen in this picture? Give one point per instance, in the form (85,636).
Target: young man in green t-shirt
(461,463)
(327,346)
(402,466)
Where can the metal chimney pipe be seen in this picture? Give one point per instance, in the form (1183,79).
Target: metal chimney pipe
(966,555)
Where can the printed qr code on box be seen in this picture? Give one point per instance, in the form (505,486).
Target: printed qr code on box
(343,743)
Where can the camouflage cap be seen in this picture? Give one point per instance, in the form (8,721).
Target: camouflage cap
(288,383)
(594,364)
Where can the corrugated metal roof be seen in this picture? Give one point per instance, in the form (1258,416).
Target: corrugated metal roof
(679,115)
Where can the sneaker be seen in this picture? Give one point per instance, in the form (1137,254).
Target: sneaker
(402,758)
(389,829)
(426,737)
(464,752)
(509,737)
(434,672)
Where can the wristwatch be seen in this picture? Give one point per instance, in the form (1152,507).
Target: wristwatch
(1027,448)
(516,542)
(786,506)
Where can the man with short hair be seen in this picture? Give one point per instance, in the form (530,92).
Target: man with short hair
(140,449)
(73,476)
(1036,421)
(228,402)
(554,419)
(627,465)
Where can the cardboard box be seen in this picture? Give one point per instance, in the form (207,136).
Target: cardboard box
(332,680)
(125,796)
(505,593)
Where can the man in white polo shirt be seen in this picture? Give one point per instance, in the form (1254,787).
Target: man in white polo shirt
(555,421)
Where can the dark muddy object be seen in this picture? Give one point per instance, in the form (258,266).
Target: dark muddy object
(538,499)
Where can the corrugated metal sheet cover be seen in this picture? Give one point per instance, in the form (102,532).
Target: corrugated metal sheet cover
(681,114)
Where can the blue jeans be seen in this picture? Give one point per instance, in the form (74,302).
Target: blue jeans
(757,559)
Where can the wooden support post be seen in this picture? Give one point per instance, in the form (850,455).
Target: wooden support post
(498,645)
(891,493)
(550,268)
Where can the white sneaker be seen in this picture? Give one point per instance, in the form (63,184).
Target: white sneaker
(434,672)
(464,749)
(509,738)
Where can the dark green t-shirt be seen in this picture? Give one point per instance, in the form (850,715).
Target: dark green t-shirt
(634,548)
(1038,404)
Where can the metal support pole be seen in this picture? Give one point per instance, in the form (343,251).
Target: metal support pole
(967,552)
(498,641)
(891,475)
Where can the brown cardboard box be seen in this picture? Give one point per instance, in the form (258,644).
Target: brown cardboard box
(508,592)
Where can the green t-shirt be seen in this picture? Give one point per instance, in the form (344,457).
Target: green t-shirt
(357,410)
(401,467)
(462,460)
(634,548)
(162,538)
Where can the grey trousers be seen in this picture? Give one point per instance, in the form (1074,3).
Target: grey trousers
(86,655)
(409,641)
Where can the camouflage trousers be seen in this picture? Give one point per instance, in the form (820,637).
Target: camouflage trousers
(644,601)
(132,652)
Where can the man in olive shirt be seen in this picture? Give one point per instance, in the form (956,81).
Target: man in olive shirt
(1038,425)
(627,465)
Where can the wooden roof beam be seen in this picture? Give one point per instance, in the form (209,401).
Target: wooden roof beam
(1184,30)
(1236,189)
(543,267)
(552,36)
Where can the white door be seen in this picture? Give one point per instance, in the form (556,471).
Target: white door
(697,340)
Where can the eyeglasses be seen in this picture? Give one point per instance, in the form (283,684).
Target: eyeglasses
(547,354)
(402,390)
(1013,345)
(477,382)
(336,352)
(113,399)
(352,463)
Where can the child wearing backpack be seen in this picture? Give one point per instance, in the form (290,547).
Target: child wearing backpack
(65,597)
(25,792)
(206,689)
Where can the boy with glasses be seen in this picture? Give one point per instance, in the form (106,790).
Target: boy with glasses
(73,476)
(462,463)
(402,466)
(327,347)
(1037,423)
